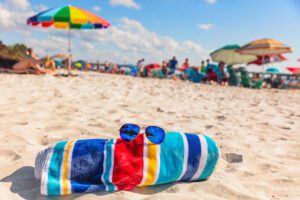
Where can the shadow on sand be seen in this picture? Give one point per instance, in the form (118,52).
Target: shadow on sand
(24,184)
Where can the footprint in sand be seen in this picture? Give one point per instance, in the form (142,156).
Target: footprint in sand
(123,105)
(53,128)
(7,155)
(209,126)
(285,128)
(112,111)
(45,140)
(221,117)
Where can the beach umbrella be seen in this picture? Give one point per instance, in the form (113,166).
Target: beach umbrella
(294,70)
(229,55)
(78,65)
(273,70)
(264,47)
(68,17)
(262,60)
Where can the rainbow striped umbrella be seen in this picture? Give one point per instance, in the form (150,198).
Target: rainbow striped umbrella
(264,47)
(68,17)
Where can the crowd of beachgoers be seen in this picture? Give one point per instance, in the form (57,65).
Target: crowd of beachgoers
(207,72)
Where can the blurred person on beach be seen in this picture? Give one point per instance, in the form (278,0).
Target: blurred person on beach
(212,77)
(106,66)
(182,71)
(164,69)
(202,69)
(207,63)
(113,69)
(140,65)
(185,65)
(98,65)
(172,64)
(280,82)
(272,81)
(223,79)
(290,82)
(33,64)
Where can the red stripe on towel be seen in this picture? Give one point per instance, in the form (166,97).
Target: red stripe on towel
(128,163)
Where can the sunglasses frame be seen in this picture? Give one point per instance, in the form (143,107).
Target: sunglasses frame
(145,132)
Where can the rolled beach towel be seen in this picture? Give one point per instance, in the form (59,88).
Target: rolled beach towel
(111,165)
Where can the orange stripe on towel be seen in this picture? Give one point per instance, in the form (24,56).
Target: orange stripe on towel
(66,168)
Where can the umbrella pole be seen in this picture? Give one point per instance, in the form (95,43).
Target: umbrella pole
(69,51)
(263,66)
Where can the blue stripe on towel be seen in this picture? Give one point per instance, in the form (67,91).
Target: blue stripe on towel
(87,166)
(171,152)
(212,158)
(194,153)
(53,184)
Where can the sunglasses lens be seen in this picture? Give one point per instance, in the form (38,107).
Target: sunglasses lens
(155,134)
(129,131)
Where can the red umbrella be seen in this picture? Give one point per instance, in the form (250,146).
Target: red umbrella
(261,60)
(153,66)
(294,70)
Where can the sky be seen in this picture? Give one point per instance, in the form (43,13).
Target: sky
(157,29)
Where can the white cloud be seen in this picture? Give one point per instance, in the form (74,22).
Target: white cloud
(6,17)
(18,4)
(206,27)
(127,3)
(88,46)
(47,46)
(211,1)
(96,8)
(131,41)
(13,19)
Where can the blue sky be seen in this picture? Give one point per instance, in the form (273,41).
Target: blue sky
(189,28)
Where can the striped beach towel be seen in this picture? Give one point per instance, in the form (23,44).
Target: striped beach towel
(111,165)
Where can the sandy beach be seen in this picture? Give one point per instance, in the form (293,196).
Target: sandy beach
(261,125)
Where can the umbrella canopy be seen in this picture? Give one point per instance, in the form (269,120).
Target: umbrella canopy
(78,65)
(229,55)
(68,17)
(273,70)
(294,70)
(264,47)
(261,60)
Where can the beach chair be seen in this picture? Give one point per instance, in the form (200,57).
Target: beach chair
(193,75)
(157,73)
(233,79)
(257,84)
(134,71)
(247,82)
(245,78)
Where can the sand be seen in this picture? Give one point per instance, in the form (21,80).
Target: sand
(261,125)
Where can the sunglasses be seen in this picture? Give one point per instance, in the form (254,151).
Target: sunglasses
(155,134)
